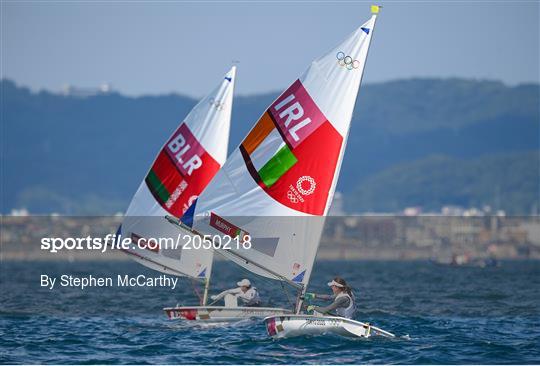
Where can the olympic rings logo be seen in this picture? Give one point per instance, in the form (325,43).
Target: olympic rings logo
(219,106)
(292,197)
(347,61)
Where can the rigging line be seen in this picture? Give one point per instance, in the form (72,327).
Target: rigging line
(178,302)
(196,290)
(227,254)
(264,282)
(231,253)
(277,276)
(260,278)
(287,294)
(135,254)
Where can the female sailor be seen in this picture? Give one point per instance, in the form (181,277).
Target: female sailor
(245,292)
(343,304)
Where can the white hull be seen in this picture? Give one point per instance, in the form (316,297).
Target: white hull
(302,325)
(221,313)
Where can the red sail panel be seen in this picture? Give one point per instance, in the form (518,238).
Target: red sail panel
(181,171)
(314,147)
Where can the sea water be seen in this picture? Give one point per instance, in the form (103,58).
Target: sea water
(440,315)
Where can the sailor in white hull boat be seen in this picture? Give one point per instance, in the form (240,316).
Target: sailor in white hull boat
(245,292)
(343,304)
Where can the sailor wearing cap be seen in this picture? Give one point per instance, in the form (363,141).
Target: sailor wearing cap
(245,292)
(343,300)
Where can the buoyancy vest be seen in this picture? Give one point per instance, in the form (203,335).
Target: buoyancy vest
(349,311)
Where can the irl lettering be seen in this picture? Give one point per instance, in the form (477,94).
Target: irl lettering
(293,113)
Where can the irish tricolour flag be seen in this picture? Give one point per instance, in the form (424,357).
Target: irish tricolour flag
(268,161)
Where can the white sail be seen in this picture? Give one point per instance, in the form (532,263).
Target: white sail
(185,165)
(278,185)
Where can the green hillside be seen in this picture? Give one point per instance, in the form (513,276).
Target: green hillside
(505,181)
(87,155)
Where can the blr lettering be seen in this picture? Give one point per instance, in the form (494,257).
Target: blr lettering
(185,151)
(179,148)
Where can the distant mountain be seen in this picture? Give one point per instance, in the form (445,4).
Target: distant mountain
(87,155)
(508,181)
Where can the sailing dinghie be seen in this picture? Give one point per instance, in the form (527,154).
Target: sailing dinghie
(340,92)
(183,168)
(277,186)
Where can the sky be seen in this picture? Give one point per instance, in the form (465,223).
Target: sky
(186,46)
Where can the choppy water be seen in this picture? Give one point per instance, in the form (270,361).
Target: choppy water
(442,315)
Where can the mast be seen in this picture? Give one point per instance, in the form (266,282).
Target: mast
(181,225)
(299,301)
(206,288)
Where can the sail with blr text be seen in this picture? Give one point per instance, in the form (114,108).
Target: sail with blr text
(183,168)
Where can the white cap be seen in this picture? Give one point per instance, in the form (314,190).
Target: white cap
(334,283)
(244,282)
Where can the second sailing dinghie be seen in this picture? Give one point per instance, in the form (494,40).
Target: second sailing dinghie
(183,168)
(278,185)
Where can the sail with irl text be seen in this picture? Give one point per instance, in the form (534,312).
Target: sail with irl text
(277,186)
